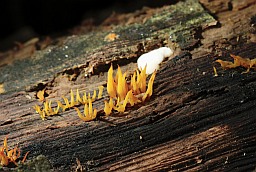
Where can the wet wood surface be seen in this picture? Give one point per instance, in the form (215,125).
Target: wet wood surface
(194,121)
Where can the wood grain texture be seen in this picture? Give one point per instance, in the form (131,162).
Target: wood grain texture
(193,121)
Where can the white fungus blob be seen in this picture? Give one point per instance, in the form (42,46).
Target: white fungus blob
(153,58)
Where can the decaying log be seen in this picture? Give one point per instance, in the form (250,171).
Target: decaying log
(194,121)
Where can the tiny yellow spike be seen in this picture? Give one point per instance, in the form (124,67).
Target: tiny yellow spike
(4,159)
(133,83)
(86,110)
(86,113)
(120,108)
(138,82)
(56,110)
(120,105)
(78,98)
(111,103)
(39,111)
(239,61)
(143,77)
(10,153)
(46,105)
(215,71)
(100,92)
(50,108)
(40,95)
(24,158)
(85,100)
(43,115)
(252,63)
(122,87)
(72,98)
(13,155)
(89,97)
(90,107)
(111,85)
(119,73)
(107,108)
(89,114)
(61,106)
(66,102)
(94,96)
(132,99)
(5,144)
(125,84)
(46,108)
(150,87)
(126,99)
(226,64)
(92,112)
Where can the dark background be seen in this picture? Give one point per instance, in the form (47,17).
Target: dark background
(22,20)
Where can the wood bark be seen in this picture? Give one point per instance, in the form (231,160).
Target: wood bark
(194,121)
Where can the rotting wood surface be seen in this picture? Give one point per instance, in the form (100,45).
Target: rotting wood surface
(194,121)
(82,53)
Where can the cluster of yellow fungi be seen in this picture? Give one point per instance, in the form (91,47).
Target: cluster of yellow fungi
(121,94)
(86,99)
(10,156)
(238,61)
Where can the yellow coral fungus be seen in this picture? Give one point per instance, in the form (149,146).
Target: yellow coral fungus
(238,61)
(67,104)
(13,155)
(225,64)
(121,93)
(134,84)
(108,106)
(120,105)
(129,98)
(85,100)
(132,99)
(63,107)
(72,99)
(3,157)
(39,111)
(100,92)
(128,93)
(122,87)
(2,90)
(47,110)
(111,85)
(253,64)
(150,87)
(53,111)
(111,37)
(78,98)
(89,113)
(215,71)
(142,83)
(138,81)
(94,95)
(40,95)
(8,156)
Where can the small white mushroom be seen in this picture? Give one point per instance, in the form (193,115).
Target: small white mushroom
(153,58)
